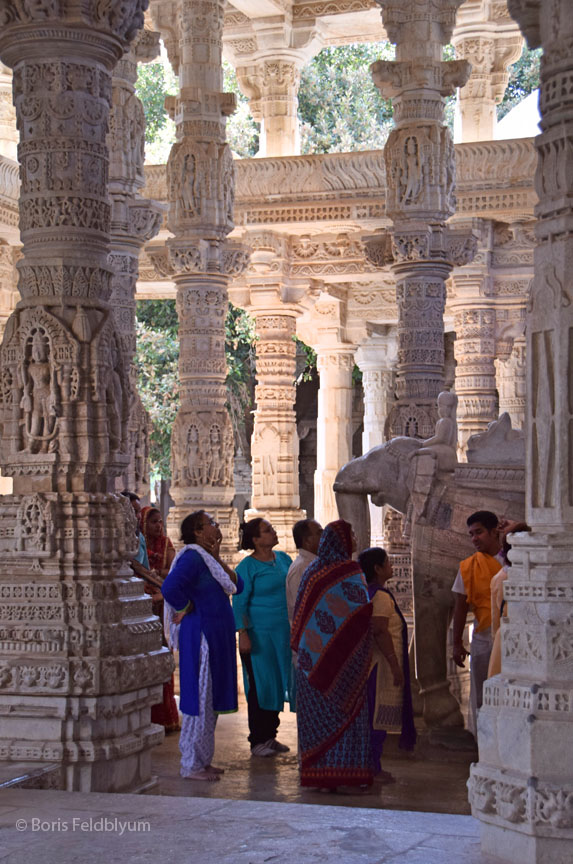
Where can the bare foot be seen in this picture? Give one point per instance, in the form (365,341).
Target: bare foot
(206,774)
(214,770)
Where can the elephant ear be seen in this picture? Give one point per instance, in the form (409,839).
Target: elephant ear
(423,470)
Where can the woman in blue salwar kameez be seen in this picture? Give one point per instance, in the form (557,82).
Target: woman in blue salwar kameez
(197,589)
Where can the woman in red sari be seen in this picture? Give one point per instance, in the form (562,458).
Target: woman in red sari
(331,634)
(161,553)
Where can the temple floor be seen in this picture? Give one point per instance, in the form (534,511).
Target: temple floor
(423,821)
(421,784)
(100,828)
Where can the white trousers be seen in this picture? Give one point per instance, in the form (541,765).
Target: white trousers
(480,651)
(197,738)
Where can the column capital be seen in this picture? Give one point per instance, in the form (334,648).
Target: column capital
(103,32)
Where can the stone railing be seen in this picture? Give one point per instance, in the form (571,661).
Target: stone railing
(494,180)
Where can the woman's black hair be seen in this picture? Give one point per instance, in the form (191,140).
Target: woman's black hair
(369,559)
(250,529)
(190,525)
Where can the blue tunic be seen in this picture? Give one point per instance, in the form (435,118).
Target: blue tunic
(262,609)
(190,581)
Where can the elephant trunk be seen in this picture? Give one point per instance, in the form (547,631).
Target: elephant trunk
(354,508)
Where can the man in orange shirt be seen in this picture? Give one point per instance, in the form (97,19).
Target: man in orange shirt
(472,591)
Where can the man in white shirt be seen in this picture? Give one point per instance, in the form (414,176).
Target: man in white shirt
(306,534)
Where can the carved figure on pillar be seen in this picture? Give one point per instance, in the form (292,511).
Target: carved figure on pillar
(64,402)
(420,181)
(200,180)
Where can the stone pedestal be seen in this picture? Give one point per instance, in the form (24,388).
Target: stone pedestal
(81,659)
(521,789)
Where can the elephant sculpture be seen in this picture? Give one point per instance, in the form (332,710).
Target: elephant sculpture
(408,476)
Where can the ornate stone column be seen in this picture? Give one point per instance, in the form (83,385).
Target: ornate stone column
(420,177)
(334,424)
(511,383)
(134,221)
(475,385)
(8,130)
(271,84)
(490,40)
(376,359)
(200,178)
(521,788)
(81,660)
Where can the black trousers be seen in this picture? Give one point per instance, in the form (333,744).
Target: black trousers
(263,724)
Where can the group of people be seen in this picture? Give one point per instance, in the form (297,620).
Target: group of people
(322,633)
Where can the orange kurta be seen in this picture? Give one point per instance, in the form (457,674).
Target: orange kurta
(477,572)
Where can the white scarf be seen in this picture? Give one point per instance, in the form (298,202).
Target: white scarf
(218,574)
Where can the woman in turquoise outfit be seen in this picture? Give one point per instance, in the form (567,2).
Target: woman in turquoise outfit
(264,634)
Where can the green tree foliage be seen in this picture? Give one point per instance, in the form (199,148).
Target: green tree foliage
(523,80)
(154,82)
(340,109)
(156,363)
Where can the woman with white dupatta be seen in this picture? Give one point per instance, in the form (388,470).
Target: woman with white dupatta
(197,589)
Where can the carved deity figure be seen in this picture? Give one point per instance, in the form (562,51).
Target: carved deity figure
(194,460)
(443,443)
(40,397)
(215,458)
(189,195)
(411,172)
(114,401)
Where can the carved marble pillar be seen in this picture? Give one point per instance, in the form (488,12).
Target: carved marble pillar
(334,425)
(511,383)
(420,177)
(376,359)
(81,659)
(521,789)
(8,130)
(274,445)
(200,178)
(134,221)
(475,383)
(271,84)
(490,55)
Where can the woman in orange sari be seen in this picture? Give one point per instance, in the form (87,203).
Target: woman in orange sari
(161,553)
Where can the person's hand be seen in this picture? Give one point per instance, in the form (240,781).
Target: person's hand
(397,676)
(179,616)
(213,546)
(244,642)
(510,526)
(459,654)
(155,593)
